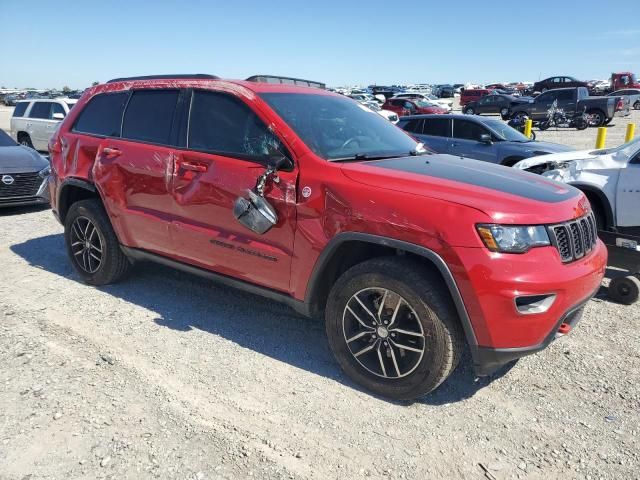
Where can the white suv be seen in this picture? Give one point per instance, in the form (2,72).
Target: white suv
(34,121)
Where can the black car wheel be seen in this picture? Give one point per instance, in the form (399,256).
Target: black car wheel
(504,112)
(624,290)
(25,139)
(393,327)
(469,111)
(92,244)
(636,105)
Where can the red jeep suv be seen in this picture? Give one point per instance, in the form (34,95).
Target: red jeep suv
(308,198)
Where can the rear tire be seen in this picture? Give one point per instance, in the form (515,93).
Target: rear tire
(469,111)
(92,244)
(426,324)
(596,118)
(544,125)
(636,106)
(25,139)
(581,123)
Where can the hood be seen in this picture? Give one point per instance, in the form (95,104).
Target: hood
(566,156)
(18,159)
(504,194)
(541,148)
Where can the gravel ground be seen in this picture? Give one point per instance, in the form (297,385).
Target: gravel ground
(169,376)
(166,375)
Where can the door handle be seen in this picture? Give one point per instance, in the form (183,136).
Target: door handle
(193,167)
(111,152)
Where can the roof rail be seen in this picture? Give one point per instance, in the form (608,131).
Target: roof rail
(192,76)
(285,81)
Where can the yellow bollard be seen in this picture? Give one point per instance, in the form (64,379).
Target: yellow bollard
(528,125)
(631,130)
(601,138)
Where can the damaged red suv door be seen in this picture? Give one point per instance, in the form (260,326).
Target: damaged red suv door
(226,147)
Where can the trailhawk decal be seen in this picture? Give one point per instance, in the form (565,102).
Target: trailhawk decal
(481,174)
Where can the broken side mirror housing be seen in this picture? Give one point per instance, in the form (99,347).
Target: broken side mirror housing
(486,139)
(255,213)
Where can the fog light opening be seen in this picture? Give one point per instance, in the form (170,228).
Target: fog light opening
(532,304)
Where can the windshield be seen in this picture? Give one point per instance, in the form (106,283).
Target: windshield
(6,140)
(505,131)
(339,128)
(423,103)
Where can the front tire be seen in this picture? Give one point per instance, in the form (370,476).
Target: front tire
(636,106)
(92,244)
(25,139)
(393,328)
(469,111)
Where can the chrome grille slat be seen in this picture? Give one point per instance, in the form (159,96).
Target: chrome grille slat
(574,239)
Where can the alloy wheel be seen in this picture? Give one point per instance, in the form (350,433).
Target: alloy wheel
(86,244)
(383,333)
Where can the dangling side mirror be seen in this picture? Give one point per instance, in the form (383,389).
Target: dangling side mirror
(255,213)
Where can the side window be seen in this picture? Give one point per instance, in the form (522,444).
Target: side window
(564,95)
(21,107)
(149,116)
(546,97)
(57,108)
(220,123)
(467,130)
(102,115)
(413,126)
(557,80)
(40,110)
(438,127)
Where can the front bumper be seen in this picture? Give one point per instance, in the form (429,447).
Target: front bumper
(488,360)
(40,197)
(490,282)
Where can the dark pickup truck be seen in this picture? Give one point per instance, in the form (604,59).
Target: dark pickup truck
(600,109)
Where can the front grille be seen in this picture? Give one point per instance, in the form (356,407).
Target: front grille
(574,239)
(24,185)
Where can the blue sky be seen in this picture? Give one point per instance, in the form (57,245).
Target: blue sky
(52,44)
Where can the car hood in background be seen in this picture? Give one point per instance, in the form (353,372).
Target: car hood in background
(21,159)
(540,148)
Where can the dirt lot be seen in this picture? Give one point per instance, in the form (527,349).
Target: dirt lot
(169,376)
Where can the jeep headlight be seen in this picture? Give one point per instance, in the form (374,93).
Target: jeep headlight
(513,239)
(44,173)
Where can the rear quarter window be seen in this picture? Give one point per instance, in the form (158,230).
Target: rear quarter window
(21,107)
(102,115)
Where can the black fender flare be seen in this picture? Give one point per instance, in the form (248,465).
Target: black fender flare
(71,182)
(419,250)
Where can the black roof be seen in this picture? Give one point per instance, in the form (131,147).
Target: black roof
(192,76)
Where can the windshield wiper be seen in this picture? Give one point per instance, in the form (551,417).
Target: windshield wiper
(365,156)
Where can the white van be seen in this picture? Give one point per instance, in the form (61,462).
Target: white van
(34,121)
